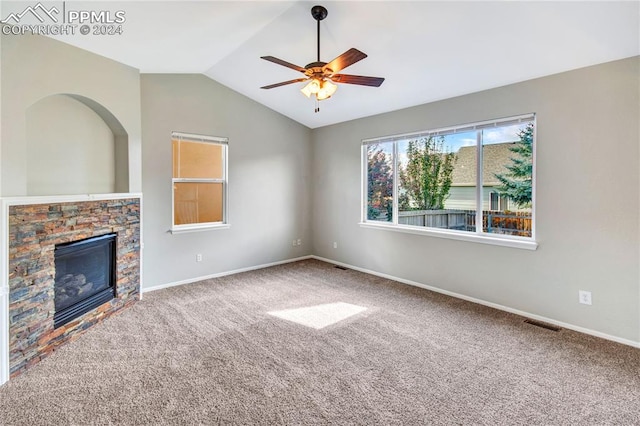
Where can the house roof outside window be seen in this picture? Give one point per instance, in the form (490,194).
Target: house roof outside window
(496,157)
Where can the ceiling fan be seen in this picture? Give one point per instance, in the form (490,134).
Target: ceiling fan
(321,75)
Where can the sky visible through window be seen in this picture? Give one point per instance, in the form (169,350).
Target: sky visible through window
(452,143)
(489,136)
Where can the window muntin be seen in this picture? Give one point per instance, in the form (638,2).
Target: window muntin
(439,184)
(199,181)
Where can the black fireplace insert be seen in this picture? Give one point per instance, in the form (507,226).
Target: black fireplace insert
(85,276)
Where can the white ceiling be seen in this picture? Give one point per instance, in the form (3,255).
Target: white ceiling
(426,50)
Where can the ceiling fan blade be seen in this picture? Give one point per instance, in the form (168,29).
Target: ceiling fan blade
(283,63)
(357,79)
(271,86)
(348,58)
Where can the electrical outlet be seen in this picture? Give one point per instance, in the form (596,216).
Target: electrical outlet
(584,297)
(335,244)
(299,241)
(199,257)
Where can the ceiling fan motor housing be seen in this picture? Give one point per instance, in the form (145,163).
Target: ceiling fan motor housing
(314,69)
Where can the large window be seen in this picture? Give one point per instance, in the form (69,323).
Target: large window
(199,181)
(474,179)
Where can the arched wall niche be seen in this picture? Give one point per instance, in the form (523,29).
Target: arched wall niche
(75,146)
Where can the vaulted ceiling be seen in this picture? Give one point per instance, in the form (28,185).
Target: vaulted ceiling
(426,50)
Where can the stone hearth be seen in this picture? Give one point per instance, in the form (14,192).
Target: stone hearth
(34,231)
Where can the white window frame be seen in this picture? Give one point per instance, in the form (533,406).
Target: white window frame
(479,236)
(193,227)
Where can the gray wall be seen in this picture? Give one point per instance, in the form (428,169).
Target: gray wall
(35,67)
(269,176)
(586,206)
(70,149)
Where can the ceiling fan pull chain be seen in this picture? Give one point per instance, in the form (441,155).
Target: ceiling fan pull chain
(317,106)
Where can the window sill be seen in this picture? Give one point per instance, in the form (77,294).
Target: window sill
(198,228)
(512,242)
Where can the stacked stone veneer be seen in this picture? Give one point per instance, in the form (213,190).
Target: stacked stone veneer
(34,231)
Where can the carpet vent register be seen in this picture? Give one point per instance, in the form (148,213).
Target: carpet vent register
(542,325)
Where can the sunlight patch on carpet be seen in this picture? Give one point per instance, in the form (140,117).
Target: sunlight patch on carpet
(319,316)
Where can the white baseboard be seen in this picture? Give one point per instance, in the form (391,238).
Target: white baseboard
(485,303)
(222,274)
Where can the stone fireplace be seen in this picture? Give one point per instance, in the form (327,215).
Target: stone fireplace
(71,264)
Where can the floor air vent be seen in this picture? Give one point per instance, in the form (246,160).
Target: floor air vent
(342,268)
(542,325)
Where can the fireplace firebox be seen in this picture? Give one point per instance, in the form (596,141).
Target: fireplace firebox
(85,276)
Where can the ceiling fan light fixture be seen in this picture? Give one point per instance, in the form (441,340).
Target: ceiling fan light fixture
(320,76)
(312,87)
(326,91)
(306,90)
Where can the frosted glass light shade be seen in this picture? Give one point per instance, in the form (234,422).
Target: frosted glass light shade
(311,88)
(326,91)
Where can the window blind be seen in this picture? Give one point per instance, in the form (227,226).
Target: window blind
(192,137)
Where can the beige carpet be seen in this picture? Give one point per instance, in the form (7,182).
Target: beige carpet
(211,353)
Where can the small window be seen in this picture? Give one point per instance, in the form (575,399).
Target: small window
(474,178)
(199,181)
(504,203)
(495,201)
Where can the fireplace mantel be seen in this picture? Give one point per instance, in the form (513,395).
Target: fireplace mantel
(59,219)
